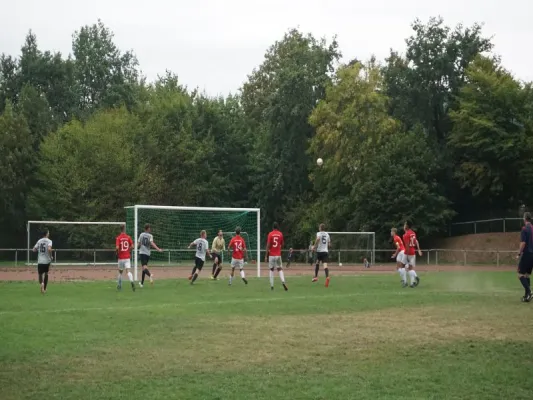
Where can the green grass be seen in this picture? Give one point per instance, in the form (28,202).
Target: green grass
(457,336)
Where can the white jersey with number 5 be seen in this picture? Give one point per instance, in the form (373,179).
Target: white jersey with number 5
(201,248)
(323,242)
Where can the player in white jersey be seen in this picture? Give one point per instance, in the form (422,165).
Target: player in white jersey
(43,248)
(202,247)
(321,247)
(145,243)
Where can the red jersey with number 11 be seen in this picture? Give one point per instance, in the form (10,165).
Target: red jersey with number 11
(275,240)
(238,246)
(409,238)
(124,246)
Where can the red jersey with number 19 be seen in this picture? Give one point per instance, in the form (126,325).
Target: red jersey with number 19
(398,243)
(409,239)
(275,240)
(124,245)
(238,245)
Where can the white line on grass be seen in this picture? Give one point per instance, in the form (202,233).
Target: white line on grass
(235,301)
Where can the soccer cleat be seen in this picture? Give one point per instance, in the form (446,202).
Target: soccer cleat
(245,281)
(284,287)
(412,285)
(119,287)
(528,297)
(314,280)
(151,280)
(213,278)
(327,282)
(141,285)
(404,284)
(417,280)
(271,287)
(133,286)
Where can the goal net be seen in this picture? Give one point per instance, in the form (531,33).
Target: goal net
(175,227)
(76,242)
(352,248)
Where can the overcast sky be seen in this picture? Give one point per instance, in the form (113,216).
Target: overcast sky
(214,45)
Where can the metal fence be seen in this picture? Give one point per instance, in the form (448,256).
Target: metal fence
(348,257)
(486,226)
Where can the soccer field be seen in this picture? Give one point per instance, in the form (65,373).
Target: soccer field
(457,336)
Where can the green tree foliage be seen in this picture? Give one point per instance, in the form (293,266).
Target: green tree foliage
(375,175)
(492,133)
(91,171)
(106,76)
(277,100)
(15,171)
(423,84)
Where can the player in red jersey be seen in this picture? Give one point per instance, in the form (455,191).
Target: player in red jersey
(411,248)
(237,246)
(124,244)
(399,255)
(273,255)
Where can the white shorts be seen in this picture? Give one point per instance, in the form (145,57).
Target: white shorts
(411,260)
(275,262)
(124,264)
(237,263)
(401,257)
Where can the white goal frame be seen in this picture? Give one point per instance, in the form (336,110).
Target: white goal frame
(138,207)
(371,234)
(29,247)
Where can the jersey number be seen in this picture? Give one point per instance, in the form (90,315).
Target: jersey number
(238,245)
(275,241)
(324,241)
(124,245)
(42,248)
(200,246)
(145,241)
(412,241)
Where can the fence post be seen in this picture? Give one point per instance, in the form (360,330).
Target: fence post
(464,258)
(339,257)
(55,256)
(94,258)
(498,257)
(169,257)
(475,227)
(504,225)
(16,257)
(428,257)
(436,257)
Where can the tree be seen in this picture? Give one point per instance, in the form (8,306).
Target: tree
(277,99)
(492,135)
(91,171)
(106,76)
(15,170)
(375,175)
(38,114)
(423,85)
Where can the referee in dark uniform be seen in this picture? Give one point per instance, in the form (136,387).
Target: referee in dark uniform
(525,263)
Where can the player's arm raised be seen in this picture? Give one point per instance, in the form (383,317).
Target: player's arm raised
(193,243)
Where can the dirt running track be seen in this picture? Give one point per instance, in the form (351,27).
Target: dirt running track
(72,273)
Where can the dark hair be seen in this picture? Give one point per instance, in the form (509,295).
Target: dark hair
(408,223)
(44,232)
(275,225)
(322,227)
(122,228)
(238,230)
(527,216)
(146,227)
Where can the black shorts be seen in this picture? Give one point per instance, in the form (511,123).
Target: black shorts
(43,268)
(525,265)
(198,263)
(217,255)
(322,256)
(144,259)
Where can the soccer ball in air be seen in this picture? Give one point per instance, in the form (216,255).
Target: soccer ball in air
(319,162)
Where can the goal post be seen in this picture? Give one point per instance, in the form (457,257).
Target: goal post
(77,242)
(175,227)
(353,247)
